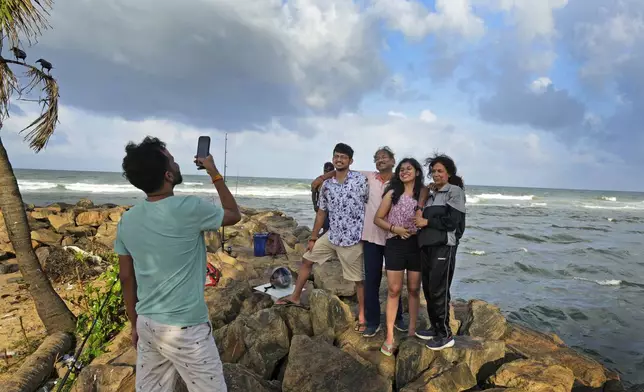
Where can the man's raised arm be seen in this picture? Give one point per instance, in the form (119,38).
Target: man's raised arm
(228,203)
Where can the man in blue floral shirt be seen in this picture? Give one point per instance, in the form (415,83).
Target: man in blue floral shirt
(343,199)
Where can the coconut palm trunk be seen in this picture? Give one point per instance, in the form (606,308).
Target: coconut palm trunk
(50,307)
(23,20)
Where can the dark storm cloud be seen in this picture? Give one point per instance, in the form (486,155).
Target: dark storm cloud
(607,41)
(550,109)
(205,64)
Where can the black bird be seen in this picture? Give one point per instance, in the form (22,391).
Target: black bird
(19,54)
(44,65)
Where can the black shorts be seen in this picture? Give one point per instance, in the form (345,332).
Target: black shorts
(402,254)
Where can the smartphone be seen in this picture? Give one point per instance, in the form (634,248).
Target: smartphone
(203,149)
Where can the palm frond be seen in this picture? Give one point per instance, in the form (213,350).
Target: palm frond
(23,16)
(8,84)
(41,129)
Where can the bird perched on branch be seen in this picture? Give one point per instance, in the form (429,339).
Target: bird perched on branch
(19,54)
(44,65)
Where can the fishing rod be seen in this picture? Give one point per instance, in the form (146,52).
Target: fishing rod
(72,366)
(223,235)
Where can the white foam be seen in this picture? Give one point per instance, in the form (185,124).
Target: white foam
(188,187)
(608,198)
(476,252)
(498,196)
(100,188)
(612,207)
(607,282)
(27,186)
(538,204)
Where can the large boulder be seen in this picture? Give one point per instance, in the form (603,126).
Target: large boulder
(297,319)
(369,350)
(480,319)
(81,231)
(329,315)
(225,301)
(240,379)
(530,344)
(61,222)
(47,237)
(85,203)
(444,378)
(533,376)
(414,358)
(92,218)
(41,213)
(106,233)
(316,366)
(328,276)
(258,342)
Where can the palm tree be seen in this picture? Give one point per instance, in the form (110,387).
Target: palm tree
(26,18)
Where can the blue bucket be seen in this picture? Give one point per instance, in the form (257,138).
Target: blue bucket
(259,244)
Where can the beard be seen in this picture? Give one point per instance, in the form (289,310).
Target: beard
(178,178)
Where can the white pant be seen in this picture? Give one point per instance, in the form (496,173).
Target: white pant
(165,352)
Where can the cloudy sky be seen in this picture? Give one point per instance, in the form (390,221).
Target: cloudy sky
(545,93)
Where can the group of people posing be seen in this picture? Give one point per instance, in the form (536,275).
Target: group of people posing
(361,218)
(365,217)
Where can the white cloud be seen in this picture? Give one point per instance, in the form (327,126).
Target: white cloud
(391,113)
(413,19)
(427,116)
(228,63)
(532,18)
(540,85)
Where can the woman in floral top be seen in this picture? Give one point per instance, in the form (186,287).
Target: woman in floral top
(396,215)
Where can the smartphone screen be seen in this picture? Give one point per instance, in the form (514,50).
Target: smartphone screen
(203,148)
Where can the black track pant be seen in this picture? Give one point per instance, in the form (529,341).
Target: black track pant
(437,271)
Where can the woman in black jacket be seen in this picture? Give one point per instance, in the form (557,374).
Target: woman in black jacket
(442,224)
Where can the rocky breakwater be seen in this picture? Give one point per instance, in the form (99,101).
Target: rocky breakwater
(84,225)
(271,348)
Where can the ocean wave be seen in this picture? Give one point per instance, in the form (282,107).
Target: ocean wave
(607,282)
(475,199)
(476,252)
(613,207)
(187,187)
(607,198)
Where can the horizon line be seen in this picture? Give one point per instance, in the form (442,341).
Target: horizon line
(311,179)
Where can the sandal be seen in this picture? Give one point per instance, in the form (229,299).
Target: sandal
(360,327)
(387,349)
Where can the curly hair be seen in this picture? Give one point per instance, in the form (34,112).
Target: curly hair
(145,164)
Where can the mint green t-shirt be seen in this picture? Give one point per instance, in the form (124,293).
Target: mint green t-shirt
(166,241)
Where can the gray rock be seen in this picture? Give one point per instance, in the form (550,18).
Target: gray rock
(438,379)
(225,301)
(414,358)
(8,268)
(316,366)
(481,319)
(328,276)
(240,379)
(258,342)
(329,315)
(533,376)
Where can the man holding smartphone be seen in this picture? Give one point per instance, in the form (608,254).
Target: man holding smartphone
(162,258)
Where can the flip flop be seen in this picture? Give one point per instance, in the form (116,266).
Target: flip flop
(360,327)
(387,349)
